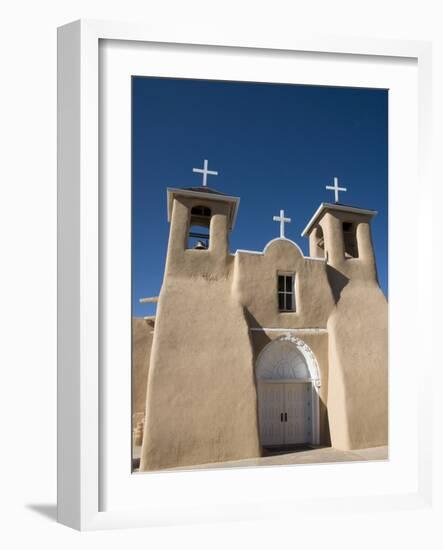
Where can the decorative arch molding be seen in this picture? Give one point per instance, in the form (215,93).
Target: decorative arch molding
(287,361)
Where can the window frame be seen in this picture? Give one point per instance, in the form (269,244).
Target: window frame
(286,292)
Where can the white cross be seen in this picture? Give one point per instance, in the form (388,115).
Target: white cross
(282,221)
(336,188)
(205,172)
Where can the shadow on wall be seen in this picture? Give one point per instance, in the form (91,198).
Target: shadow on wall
(252,322)
(337,282)
(325,435)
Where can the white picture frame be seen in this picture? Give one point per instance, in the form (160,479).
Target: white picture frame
(80,412)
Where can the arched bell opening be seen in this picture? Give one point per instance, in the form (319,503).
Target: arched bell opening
(199,225)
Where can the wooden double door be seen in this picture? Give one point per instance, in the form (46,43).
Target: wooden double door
(285,413)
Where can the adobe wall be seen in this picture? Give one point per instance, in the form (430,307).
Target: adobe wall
(142,334)
(358,342)
(358,372)
(255,284)
(201,398)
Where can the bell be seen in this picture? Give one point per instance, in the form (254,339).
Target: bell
(200,246)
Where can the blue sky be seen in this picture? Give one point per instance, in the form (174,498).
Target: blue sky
(276,146)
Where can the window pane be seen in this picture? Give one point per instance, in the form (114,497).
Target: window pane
(281,301)
(289,301)
(281,283)
(288,283)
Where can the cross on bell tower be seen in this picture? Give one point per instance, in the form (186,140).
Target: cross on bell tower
(282,221)
(205,173)
(336,188)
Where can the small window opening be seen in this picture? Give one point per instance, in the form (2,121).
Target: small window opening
(350,240)
(286,291)
(320,243)
(198,236)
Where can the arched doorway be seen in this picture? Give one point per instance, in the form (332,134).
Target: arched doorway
(288,379)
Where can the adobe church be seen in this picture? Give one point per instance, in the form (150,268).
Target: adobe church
(259,350)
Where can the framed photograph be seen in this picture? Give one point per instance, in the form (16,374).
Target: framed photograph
(233,219)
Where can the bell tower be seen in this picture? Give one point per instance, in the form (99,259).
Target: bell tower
(339,233)
(342,235)
(357,326)
(201,403)
(200,219)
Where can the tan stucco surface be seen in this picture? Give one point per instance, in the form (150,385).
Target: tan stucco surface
(201,401)
(142,334)
(358,380)
(358,341)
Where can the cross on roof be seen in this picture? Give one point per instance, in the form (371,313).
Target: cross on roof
(336,188)
(205,172)
(282,221)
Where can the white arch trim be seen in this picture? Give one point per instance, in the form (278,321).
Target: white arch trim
(304,349)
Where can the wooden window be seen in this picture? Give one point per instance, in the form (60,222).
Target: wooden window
(286,291)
